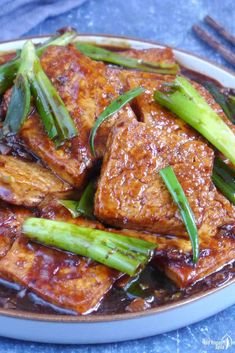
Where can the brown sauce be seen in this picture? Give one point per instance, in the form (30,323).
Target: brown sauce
(151,289)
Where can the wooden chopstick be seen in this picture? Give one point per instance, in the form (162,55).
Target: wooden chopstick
(220,29)
(215,44)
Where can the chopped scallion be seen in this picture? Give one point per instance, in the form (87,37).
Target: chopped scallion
(186,102)
(85,206)
(100,54)
(178,195)
(223,177)
(125,254)
(112,108)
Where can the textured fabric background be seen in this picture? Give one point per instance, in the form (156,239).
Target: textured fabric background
(19,16)
(169,22)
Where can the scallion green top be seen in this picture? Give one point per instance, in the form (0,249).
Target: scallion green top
(112,108)
(178,195)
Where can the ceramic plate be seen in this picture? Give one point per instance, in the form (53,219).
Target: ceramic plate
(114,328)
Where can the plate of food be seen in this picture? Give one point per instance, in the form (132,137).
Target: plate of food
(117,188)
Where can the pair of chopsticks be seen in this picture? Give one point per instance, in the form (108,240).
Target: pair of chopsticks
(210,40)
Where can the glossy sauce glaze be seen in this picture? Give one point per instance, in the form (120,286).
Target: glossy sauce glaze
(151,289)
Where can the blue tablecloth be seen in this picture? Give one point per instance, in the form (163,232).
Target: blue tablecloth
(168,22)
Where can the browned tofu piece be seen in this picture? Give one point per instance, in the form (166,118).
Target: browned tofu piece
(131,193)
(219,221)
(51,208)
(151,55)
(27,183)
(173,254)
(61,278)
(11,219)
(217,246)
(153,113)
(4,57)
(86,90)
(217,252)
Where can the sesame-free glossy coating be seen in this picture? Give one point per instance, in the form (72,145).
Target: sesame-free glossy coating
(27,183)
(84,87)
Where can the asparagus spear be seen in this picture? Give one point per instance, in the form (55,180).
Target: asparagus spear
(184,100)
(85,206)
(126,254)
(112,108)
(100,54)
(224,179)
(9,69)
(180,199)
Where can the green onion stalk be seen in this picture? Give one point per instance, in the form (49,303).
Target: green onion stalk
(227,102)
(52,110)
(184,100)
(96,53)
(19,104)
(85,206)
(111,109)
(125,254)
(9,70)
(223,177)
(179,197)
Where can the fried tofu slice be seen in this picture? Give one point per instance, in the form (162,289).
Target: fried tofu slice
(64,279)
(86,90)
(149,55)
(51,208)
(153,55)
(153,113)
(130,191)
(5,57)
(27,183)
(216,234)
(215,253)
(217,246)
(61,278)
(173,254)
(11,219)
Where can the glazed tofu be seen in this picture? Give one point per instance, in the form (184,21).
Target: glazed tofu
(215,254)
(130,191)
(86,90)
(61,278)
(11,219)
(173,254)
(27,183)
(153,55)
(150,112)
(216,241)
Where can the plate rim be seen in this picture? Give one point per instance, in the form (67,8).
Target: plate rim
(219,66)
(63,318)
(90,318)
